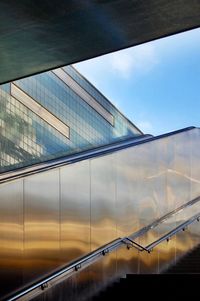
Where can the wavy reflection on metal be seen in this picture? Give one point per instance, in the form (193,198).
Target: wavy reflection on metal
(50,219)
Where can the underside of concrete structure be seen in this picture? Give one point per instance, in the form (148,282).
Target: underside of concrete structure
(36,36)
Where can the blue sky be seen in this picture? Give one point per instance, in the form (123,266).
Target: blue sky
(156,84)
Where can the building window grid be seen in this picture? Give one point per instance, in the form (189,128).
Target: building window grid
(72,72)
(36,137)
(74,117)
(16,110)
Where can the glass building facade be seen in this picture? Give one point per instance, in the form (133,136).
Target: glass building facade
(54,114)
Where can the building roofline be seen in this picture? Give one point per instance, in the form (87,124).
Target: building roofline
(105,98)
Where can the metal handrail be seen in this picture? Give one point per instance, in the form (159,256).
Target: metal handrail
(171,233)
(164,218)
(134,244)
(74,266)
(149,248)
(73,158)
(102,150)
(37,288)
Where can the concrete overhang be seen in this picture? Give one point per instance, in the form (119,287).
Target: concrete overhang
(37,35)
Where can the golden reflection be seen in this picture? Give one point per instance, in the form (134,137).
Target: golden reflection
(167,252)
(49,220)
(104,269)
(99,237)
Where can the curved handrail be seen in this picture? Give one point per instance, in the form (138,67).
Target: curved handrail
(67,271)
(163,218)
(37,288)
(171,233)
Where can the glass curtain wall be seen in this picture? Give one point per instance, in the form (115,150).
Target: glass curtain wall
(27,138)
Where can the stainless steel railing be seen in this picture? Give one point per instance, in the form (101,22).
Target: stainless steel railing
(73,267)
(100,151)
(171,233)
(58,162)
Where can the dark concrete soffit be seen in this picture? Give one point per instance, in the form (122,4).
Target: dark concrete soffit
(37,36)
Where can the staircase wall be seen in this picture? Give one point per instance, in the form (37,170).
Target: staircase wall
(51,218)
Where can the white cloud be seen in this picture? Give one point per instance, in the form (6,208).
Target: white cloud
(140,59)
(145,126)
(122,64)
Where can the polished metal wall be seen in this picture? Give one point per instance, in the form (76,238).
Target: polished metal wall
(49,219)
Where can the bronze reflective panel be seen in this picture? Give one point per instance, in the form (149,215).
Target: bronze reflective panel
(127,261)
(77,287)
(103,218)
(103,272)
(41,224)
(61,214)
(103,201)
(11,236)
(128,177)
(75,211)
